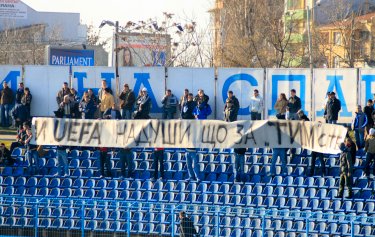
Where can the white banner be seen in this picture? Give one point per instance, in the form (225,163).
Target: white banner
(282,81)
(193,79)
(242,81)
(189,134)
(44,83)
(344,83)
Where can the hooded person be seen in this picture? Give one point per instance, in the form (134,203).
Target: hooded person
(346,170)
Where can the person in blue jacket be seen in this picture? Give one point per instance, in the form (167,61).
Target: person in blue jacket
(202,111)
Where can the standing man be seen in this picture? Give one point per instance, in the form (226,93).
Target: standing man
(201,97)
(127,162)
(32,154)
(187,108)
(169,105)
(368,110)
(102,90)
(106,101)
(346,170)
(6,101)
(127,98)
(187,228)
(294,104)
(256,106)
(62,159)
(105,160)
(358,125)
(19,93)
(183,99)
(26,100)
(143,105)
(192,164)
(62,93)
(333,108)
(158,163)
(231,108)
(239,164)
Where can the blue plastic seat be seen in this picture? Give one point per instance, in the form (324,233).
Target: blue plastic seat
(54,183)
(66,183)
(90,193)
(7,171)
(78,183)
(51,163)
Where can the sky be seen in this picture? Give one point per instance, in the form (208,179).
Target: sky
(94,11)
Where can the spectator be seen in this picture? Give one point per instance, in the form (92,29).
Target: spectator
(325,106)
(231,108)
(184,98)
(105,160)
(346,170)
(158,163)
(103,90)
(21,137)
(192,164)
(74,93)
(5,156)
(62,159)
(333,108)
(6,101)
(112,113)
(87,108)
(239,164)
(202,111)
(126,161)
(169,102)
(368,110)
(370,152)
(127,98)
(256,106)
(19,93)
(66,109)
(358,125)
(294,104)
(279,153)
(188,107)
(143,105)
(280,106)
(201,98)
(32,154)
(20,115)
(26,100)
(106,101)
(93,98)
(353,148)
(187,228)
(62,93)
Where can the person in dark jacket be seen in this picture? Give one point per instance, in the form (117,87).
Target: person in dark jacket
(19,93)
(62,93)
(20,138)
(187,108)
(294,104)
(358,125)
(333,108)
(158,163)
(143,105)
(231,108)
(127,98)
(6,101)
(187,228)
(20,114)
(169,102)
(239,164)
(201,98)
(126,161)
(368,110)
(5,156)
(26,100)
(346,170)
(87,108)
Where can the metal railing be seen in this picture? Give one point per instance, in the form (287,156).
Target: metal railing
(33,216)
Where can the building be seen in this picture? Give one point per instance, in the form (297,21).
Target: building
(349,43)
(25,37)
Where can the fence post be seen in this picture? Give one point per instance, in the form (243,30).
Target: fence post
(307,223)
(217,216)
(173,221)
(128,219)
(83,219)
(36,218)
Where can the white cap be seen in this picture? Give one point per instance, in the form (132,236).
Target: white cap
(144,89)
(372,132)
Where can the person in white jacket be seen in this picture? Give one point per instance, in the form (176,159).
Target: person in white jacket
(256,106)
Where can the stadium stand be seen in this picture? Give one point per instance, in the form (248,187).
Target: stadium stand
(293,205)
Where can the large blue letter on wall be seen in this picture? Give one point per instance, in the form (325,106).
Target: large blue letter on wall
(142,79)
(368,79)
(11,79)
(291,78)
(334,82)
(238,77)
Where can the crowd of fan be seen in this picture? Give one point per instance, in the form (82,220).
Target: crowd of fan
(103,106)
